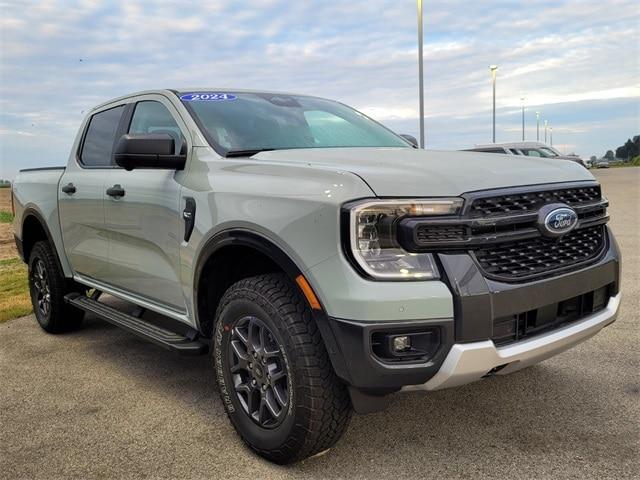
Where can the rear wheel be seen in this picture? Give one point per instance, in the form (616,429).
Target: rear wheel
(273,371)
(48,287)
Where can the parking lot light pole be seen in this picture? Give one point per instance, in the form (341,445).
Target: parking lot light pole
(537,126)
(523,99)
(551,135)
(545,131)
(420,74)
(494,69)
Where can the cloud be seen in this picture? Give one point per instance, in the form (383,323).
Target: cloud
(59,58)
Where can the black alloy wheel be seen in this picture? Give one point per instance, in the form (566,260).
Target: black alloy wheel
(40,289)
(259,372)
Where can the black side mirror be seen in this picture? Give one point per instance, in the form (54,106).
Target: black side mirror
(154,150)
(411,139)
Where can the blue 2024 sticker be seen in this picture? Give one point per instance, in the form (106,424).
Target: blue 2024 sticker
(207,97)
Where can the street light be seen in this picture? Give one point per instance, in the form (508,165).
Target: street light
(537,126)
(545,131)
(420,74)
(493,69)
(523,99)
(551,135)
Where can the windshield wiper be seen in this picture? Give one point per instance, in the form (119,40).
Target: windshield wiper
(246,153)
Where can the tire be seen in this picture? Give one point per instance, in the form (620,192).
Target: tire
(48,286)
(313,407)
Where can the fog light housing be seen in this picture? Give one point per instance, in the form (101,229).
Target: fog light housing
(406,345)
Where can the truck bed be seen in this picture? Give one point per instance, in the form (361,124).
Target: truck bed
(35,191)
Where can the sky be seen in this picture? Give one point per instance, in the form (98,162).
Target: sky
(576,62)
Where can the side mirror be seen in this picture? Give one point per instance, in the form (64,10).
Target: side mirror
(411,139)
(154,150)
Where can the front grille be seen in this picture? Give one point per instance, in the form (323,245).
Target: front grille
(526,202)
(537,256)
(534,322)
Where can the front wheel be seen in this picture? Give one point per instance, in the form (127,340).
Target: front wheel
(48,286)
(273,371)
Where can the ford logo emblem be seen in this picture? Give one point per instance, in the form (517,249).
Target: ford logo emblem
(555,220)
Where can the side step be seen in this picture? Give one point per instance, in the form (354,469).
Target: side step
(158,335)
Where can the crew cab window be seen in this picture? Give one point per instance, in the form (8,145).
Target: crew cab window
(154,117)
(100,137)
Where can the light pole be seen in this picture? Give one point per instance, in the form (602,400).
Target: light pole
(494,69)
(420,74)
(537,126)
(551,135)
(545,131)
(523,99)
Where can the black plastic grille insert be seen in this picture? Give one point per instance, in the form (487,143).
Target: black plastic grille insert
(539,256)
(527,202)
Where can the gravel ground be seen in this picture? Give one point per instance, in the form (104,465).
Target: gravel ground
(99,403)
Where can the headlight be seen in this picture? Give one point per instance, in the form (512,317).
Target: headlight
(373,237)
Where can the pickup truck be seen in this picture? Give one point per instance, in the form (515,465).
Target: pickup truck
(321,260)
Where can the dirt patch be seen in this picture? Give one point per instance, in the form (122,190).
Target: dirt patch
(7,244)
(5,199)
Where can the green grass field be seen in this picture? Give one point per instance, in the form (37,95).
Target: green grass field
(14,291)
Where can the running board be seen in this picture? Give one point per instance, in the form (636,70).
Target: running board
(158,335)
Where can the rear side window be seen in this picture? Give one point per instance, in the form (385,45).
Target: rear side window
(101,133)
(154,117)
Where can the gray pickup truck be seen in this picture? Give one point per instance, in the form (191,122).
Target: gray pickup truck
(322,261)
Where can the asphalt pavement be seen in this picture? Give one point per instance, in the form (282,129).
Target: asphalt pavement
(99,403)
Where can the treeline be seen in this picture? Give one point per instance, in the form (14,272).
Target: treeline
(630,149)
(4,183)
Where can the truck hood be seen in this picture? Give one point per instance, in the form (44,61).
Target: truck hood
(405,172)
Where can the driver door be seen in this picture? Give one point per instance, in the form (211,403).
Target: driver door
(142,216)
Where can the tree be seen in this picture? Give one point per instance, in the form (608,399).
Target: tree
(630,149)
(609,155)
(593,158)
(621,152)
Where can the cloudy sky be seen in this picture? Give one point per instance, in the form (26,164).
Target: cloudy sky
(577,62)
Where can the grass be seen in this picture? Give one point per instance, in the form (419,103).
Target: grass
(634,162)
(623,165)
(6,217)
(14,291)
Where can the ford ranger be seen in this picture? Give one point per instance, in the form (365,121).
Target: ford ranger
(323,261)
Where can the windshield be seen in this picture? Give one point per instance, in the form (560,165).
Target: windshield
(549,152)
(246,122)
(538,152)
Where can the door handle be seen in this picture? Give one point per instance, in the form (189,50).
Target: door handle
(69,189)
(115,191)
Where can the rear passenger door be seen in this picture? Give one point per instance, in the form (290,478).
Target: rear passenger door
(144,224)
(81,194)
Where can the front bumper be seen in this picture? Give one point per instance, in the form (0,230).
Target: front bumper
(468,362)
(467,352)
